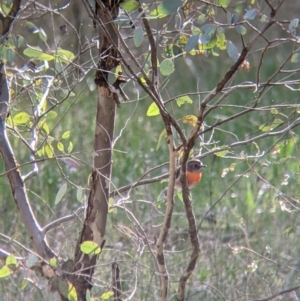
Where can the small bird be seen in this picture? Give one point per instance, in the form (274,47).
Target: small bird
(193,173)
(193,176)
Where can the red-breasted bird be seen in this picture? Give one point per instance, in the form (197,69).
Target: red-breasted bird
(193,176)
(193,173)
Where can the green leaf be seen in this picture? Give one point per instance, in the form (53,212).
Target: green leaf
(21,118)
(48,149)
(64,55)
(51,115)
(129,5)
(42,35)
(138,36)
(65,135)
(191,43)
(224,3)
(107,295)
(37,53)
(79,194)
(5,271)
(162,135)
(153,110)
(67,290)
(70,147)
(23,284)
(168,7)
(232,51)
(60,146)
(60,194)
(182,100)
(295,57)
(46,128)
(90,247)
(166,67)
(31,27)
(53,262)
(251,14)
(241,30)
(267,128)
(222,152)
(11,261)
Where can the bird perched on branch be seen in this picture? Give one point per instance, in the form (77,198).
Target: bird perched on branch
(193,173)
(193,176)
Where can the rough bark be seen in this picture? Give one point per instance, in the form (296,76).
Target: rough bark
(97,210)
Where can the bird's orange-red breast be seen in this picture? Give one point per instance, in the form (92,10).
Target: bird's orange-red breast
(193,173)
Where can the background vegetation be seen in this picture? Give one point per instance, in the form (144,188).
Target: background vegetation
(250,192)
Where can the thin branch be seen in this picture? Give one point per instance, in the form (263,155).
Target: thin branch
(17,184)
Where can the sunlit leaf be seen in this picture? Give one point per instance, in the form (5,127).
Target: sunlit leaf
(250,14)
(61,192)
(21,118)
(90,247)
(129,5)
(182,100)
(53,262)
(46,128)
(153,110)
(162,135)
(107,295)
(224,3)
(49,150)
(67,290)
(232,51)
(65,135)
(168,7)
(190,119)
(166,67)
(60,146)
(11,262)
(64,55)
(138,36)
(37,53)
(5,271)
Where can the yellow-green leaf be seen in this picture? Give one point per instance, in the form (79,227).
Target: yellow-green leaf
(60,194)
(107,295)
(70,147)
(166,67)
(182,100)
(48,149)
(153,110)
(53,262)
(21,118)
(60,146)
(90,247)
(5,271)
(65,135)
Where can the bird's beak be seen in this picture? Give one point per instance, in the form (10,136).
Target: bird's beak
(203,165)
